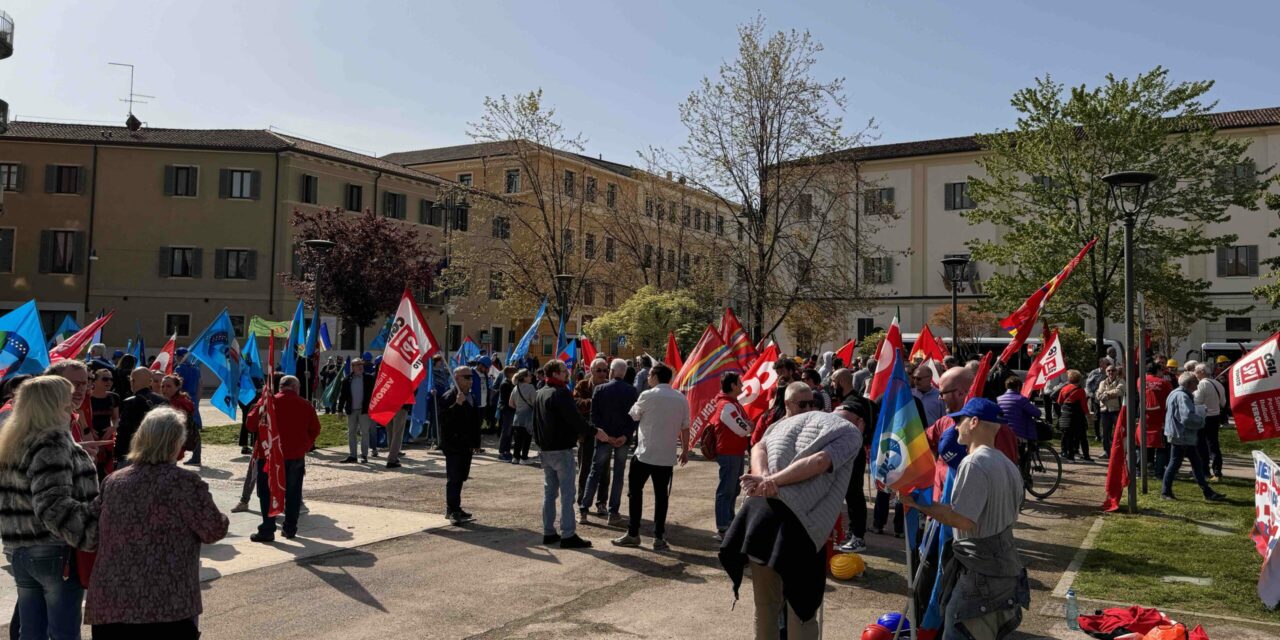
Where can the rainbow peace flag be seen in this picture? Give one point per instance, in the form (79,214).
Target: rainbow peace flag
(902,458)
(699,377)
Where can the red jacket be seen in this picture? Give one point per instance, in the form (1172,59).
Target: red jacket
(729,443)
(1158,391)
(297,426)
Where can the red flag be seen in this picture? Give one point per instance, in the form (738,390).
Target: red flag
(1023,319)
(926,346)
(736,338)
(1255,392)
(759,384)
(71,347)
(409,348)
(890,348)
(846,352)
(165,359)
(980,379)
(942,347)
(273,452)
(1035,376)
(588,350)
(1117,468)
(673,353)
(699,378)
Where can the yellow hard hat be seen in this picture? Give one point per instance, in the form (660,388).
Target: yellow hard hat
(1222,359)
(845,566)
(1171,363)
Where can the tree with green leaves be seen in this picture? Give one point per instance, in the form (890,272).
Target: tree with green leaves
(1270,292)
(648,315)
(1043,188)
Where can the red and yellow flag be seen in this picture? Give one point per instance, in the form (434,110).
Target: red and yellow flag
(699,378)
(1023,320)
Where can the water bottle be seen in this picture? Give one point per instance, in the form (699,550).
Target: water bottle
(1073,611)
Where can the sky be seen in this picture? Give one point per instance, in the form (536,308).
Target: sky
(382,76)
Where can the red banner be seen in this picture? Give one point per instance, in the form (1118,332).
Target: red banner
(672,359)
(699,378)
(589,353)
(272,450)
(759,384)
(889,349)
(736,338)
(846,353)
(1023,319)
(980,378)
(165,359)
(409,349)
(1255,392)
(71,347)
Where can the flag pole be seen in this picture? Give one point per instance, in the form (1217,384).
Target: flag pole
(909,613)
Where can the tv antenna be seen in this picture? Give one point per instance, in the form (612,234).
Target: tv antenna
(132,122)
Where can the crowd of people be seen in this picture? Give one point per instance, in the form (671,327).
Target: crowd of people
(89,447)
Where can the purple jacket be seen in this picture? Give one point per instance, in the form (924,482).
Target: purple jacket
(1021,414)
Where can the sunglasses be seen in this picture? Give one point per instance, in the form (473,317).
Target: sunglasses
(807,404)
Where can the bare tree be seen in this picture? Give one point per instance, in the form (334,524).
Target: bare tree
(770,140)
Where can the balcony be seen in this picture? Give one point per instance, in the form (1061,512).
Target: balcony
(6,35)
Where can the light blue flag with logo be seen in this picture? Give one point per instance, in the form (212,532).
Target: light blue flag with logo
(292,346)
(219,350)
(380,341)
(252,359)
(22,345)
(522,348)
(313,334)
(65,330)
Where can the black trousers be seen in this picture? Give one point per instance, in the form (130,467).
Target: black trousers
(881,515)
(176,630)
(1208,447)
(523,438)
(639,474)
(457,469)
(856,498)
(294,470)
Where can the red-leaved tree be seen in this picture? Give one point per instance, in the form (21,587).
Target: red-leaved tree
(362,277)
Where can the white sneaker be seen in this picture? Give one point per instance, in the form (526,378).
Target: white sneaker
(853,545)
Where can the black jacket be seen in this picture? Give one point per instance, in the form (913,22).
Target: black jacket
(459,424)
(344,398)
(556,421)
(132,411)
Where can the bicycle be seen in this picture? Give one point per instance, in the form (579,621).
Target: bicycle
(1041,469)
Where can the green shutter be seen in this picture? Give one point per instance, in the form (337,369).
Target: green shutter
(197,262)
(219,263)
(224,183)
(1223,267)
(1251,252)
(166,260)
(170,172)
(251,267)
(255,186)
(50,178)
(78,253)
(193,181)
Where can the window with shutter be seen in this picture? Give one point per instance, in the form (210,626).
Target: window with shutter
(234,264)
(570,182)
(589,246)
(178,323)
(63,252)
(63,179)
(1238,260)
(10,173)
(184,182)
(7,236)
(513,181)
(182,262)
(242,185)
(610,253)
(309,189)
(355,198)
(611,196)
(590,190)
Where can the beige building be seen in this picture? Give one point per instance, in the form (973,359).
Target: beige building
(926,182)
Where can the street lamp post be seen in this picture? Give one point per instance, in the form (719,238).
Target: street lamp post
(1128,191)
(954,266)
(321,249)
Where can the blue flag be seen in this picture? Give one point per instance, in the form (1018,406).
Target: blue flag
(522,347)
(325,343)
(252,359)
(420,401)
(313,334)
(289,358)
(65,330)
(466,352)
(560,338)
(23,347)
(219,350)
(138,349)
(380,341)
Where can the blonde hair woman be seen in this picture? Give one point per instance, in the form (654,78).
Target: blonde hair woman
(46,484)
(152,504)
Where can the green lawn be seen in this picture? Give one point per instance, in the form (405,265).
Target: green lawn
(1231,443)
(1133,553)
(333,432)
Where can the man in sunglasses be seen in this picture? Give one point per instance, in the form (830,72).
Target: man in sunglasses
(460,420)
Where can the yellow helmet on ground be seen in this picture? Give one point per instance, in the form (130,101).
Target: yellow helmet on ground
(846,566)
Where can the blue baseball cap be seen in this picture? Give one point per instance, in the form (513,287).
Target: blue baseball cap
(484,360)
(950,450)
(982,409)
(180,351)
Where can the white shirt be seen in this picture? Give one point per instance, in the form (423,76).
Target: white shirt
(1209,392)
(662,413)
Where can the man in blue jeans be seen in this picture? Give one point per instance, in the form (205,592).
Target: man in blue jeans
(610,404)
(556,427)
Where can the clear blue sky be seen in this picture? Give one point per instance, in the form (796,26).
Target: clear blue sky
(393,76)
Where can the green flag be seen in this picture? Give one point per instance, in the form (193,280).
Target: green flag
(264,328)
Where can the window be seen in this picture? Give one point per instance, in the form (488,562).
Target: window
(355,197)
(648,207)
(589,247)
(741,231)
(237,324)
(684,267)
(60,252)
(235,264)
(183,182)
(502,227)
(182,262)
(394,205)
(686,216)
(648,256)
(429,213)
(671,260)
(804,207)
(879,201)
(309,190)
(566,241)
(6,249)
(495,285)
(1044,182)
(179,323)
(464,179)
(720,225)
(706,223)
(608,295)
(866,327)
(347,336)
(588,294)
(611,196)
(461,217)
(513,181)
(877,270)
(697,218)
(496,334)
(570,182)
(956,196)
(610,254)
(590,191)
(64,179)
(242,186)
(662,211)
(548,347)
(1239,324)
(11,176)
(455,337)
(1239,260)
